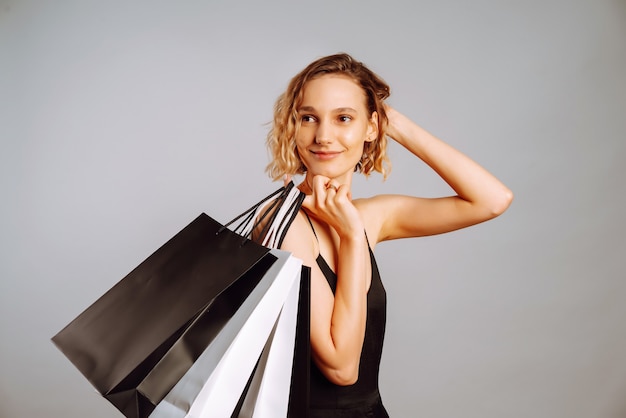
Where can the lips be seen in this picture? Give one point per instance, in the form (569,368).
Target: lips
(325,155)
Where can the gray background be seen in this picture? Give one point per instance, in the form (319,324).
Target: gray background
(121,121)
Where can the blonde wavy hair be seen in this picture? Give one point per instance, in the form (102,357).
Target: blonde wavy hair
(281,139)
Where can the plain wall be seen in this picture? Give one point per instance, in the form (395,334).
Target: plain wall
(121,121)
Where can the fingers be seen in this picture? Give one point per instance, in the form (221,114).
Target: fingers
(324,185)
(326,194)
(331,203)
(330,186)
(319,184)
(325,188)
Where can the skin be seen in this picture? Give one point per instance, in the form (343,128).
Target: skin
(334,126)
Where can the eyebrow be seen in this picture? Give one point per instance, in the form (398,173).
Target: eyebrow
(338,110)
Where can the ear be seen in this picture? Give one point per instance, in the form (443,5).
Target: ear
(372,128)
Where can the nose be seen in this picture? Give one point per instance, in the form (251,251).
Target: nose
(323,134)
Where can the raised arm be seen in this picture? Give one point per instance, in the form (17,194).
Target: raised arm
(479,195)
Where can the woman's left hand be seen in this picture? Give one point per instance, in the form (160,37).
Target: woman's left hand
(479,195)
(398,125)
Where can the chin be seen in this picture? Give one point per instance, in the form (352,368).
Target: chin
(331,171)
(326,173)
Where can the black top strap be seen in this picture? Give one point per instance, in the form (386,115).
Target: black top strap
(312,227)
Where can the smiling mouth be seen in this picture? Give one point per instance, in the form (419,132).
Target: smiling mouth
(325,155)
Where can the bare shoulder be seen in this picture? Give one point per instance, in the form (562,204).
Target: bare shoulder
(376,202)
(374,211)
(300,240)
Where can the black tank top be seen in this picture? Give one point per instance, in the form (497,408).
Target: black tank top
(361,399)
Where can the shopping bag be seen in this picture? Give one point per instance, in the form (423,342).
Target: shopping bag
(221,392)
(252,315)
(136,341)
(279,397)
(282,373)
(279,388)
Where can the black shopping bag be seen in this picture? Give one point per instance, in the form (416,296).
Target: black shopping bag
(119,340)
(301,373)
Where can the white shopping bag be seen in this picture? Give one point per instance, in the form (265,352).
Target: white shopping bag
(268,395)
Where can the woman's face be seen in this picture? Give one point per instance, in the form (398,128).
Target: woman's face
(334,125)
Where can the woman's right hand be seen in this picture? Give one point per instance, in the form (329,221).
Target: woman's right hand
(338,321)
(331,203)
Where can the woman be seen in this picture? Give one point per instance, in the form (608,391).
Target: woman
(331,122)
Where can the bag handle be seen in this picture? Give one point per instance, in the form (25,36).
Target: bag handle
(275,216)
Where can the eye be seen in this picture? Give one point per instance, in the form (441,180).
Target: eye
(307,118)
(345,118)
